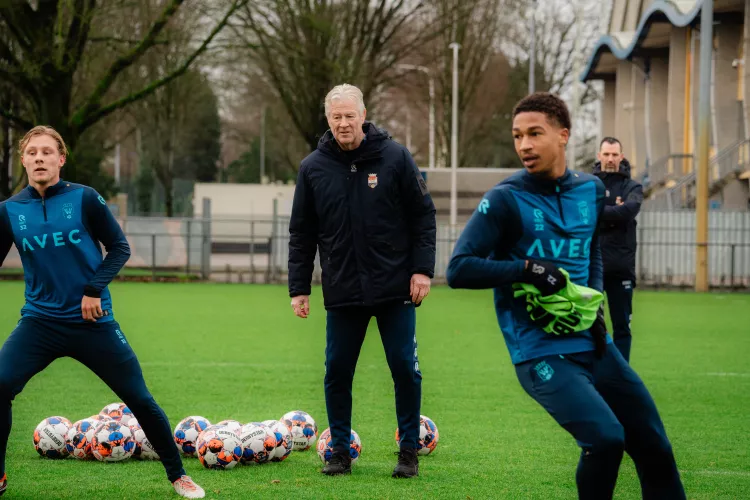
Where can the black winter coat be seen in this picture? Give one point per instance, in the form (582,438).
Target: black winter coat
(372,220)
(617,230)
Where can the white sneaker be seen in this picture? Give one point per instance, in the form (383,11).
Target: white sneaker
(185,487)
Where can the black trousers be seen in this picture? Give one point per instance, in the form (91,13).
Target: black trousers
(101,347)
(345,332)
(620,301)
(606,407)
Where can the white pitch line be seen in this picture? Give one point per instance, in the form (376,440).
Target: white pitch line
(718,472)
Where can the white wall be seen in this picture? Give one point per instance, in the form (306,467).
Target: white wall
(244,200)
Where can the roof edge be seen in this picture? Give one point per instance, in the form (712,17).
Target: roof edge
(655,12)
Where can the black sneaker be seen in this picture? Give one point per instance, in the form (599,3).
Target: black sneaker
(340,463)
(3,484)
(408,464)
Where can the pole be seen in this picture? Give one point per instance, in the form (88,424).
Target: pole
(647,116)
(432,121)
(262,144)
(454,136)
(704,118)
(408,130)
(532,50)
(573,141)
(206,239)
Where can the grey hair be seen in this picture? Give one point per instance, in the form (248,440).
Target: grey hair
(345,91)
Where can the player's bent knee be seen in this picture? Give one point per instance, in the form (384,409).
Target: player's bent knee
(8,387)
(610,439)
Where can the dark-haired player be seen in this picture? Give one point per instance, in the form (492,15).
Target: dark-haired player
(525,229)
(57,227)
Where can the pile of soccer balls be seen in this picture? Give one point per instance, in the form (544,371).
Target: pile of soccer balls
(115,435)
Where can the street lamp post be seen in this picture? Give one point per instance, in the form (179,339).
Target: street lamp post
(454,137)
(532,50)
(427,71)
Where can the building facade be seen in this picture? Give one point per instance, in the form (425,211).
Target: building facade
(649,64)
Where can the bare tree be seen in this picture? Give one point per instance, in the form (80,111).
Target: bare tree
(305,47)
(476,25)
(565,31)
(49,40)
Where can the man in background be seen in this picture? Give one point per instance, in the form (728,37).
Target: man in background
(617,237)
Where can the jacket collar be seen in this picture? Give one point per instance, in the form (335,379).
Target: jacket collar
(623,170)
(370,146)
(49,193)
(547,186)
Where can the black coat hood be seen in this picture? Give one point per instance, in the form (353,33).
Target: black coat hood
(624,169)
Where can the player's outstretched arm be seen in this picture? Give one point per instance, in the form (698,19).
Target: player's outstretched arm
(491,224)
(421,219)
(6,234)
(303,233)
(629,208)
(103,227)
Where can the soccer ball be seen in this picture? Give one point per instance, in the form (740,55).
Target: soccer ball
(79,437)
(428,436)
(50,436)
(118,412)
(283,440)
(186,434)
(325,448)
(219,448)
(233,425)
(112,442)
(143,447)
(258,443)
(303,428)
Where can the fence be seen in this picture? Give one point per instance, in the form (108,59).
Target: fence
(256,251)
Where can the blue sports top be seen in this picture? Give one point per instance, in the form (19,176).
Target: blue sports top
(58,240)
(528,218)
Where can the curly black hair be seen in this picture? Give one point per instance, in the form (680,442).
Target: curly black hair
(549,104)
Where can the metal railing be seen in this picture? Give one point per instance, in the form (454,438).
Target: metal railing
(256,251)
(723,167)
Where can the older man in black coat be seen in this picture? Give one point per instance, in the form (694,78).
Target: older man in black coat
(362,203)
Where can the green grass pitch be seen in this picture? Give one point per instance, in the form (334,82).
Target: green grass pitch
(237,351)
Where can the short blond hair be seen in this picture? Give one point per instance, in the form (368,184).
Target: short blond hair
(43,130)
(345,91)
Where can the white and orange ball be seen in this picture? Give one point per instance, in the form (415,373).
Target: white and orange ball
(118,412)
(283,440)
(79,437)
(325,446)
(186,433)
(428,436)
(258,443)
(112,442)
(219,448)
(144,450)
(303,428)
(50,436)
(234,425)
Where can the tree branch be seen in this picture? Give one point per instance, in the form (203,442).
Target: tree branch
(20,122)
(97,113)
(78,34)
(14,19)
(92,107)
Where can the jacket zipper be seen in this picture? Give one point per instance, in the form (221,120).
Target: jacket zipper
(44,209)
(559,204)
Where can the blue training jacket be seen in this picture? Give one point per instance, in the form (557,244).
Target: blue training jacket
(528,218)
(58,239)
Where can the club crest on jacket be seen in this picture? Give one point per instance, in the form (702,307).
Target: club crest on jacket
(372,180)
